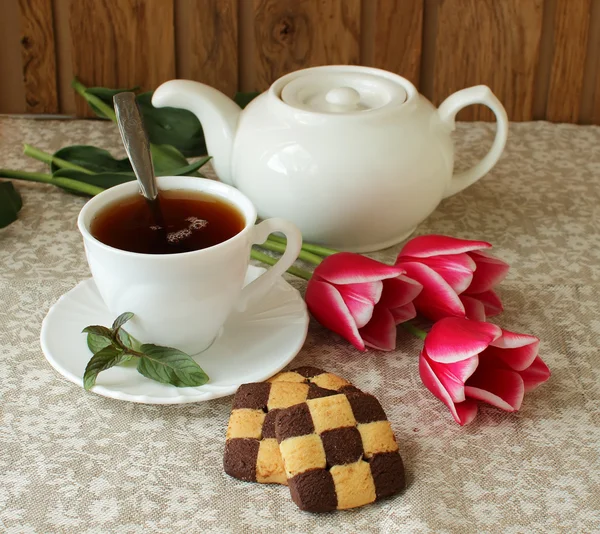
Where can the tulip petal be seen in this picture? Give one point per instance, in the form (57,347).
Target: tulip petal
(466,411)
(489,272)
(453,339)
(537,373)
(399,291)
(454,375)
(380,332)
(456,269)
(426,246)
(463,412)
(401,314)
(498,387)
(516,350)
(360,299)
(437,299)
(327,306)
(491,302)
(349,268)
(474,308)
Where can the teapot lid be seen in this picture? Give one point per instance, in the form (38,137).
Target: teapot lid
(343,89)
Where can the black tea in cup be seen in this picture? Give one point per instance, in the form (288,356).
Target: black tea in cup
(191,220)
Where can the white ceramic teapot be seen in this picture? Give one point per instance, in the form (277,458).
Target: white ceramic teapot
(354,156)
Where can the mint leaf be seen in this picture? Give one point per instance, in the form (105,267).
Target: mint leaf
(105,359)
(99,331)
(96,343)
(121,320)
(170,366)
(129,341)
(98,337)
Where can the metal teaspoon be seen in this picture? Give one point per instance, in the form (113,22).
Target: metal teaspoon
(137,146)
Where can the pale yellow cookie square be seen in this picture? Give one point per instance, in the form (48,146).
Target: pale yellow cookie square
(354,484)
(377,437)
(329,381)
(245,423)
(302,453)
(269,464)
(287,376)
(331,412)
(286,394)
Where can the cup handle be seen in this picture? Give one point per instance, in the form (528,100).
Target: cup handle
(258,288)
(448,109)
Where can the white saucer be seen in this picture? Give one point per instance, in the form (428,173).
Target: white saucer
(252,347)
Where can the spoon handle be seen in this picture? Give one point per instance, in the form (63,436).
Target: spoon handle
(135,140)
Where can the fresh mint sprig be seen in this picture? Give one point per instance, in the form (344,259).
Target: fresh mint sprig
(114,346)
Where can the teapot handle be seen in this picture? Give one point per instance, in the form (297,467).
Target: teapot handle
(480,94)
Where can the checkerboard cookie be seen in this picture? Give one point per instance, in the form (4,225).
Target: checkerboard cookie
(251,450)
(338,452)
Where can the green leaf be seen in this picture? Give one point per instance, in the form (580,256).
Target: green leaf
(171,126)
(121,320)
(170,366)
(243,99)
(189,170)
(106,95)
(167,158)
(110,171)
(96,343)
(102,179)
(98,330)
(104,359)
(128,340)
(10,203)
(165,126)
(110,179)
(92,158)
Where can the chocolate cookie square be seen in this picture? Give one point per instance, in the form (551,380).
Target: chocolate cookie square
(338,452)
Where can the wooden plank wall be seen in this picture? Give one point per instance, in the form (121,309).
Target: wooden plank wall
(541,57)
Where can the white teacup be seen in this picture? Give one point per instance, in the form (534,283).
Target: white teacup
(183,300)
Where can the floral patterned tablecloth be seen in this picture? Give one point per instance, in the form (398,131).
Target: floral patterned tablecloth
(75,462)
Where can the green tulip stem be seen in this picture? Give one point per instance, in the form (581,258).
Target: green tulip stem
(73,185)
(308,257)
(269,260)
(82,90)
(40,155)
(308,247)
(417,332)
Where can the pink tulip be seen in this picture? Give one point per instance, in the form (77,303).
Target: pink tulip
(465,361)
(456,275)
(361,299)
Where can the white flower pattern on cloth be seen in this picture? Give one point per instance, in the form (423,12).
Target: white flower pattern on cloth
(72,462)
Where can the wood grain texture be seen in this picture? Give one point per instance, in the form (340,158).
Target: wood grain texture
(38,55)
(207,42)
(12,93)
(571,24)
(398,37)
(122,43)
(62,39)
(491,42)
(295,34)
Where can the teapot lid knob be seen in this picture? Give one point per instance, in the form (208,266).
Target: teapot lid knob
(346,97)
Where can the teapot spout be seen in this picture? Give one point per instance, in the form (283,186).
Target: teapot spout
(217,113)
